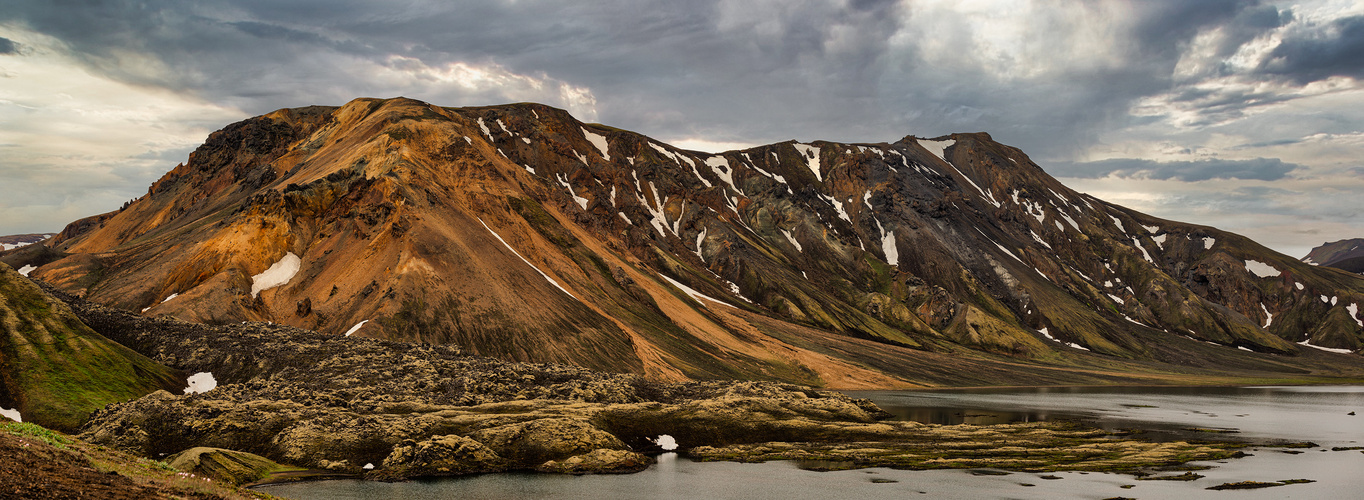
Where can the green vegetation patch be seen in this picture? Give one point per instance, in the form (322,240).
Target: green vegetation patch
(33,431)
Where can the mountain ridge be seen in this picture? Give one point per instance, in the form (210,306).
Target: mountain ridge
(1347,255)
(518,232)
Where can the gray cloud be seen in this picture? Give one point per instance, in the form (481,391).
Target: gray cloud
(1320,52)
(750,71)
(1264,169)
(1057,78)
(8,47)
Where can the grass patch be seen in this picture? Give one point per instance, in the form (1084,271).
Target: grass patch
(33,431)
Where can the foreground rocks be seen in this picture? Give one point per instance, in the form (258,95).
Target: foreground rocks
(391,411)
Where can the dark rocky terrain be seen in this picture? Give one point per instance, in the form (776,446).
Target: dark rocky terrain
(520,233)
(1346,255)
(391,410)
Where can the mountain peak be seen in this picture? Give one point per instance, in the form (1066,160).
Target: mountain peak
(520,232)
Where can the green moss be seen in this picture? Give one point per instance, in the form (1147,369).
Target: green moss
(34,431)
(60,369)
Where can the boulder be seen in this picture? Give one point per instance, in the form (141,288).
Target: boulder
(599,461)
(227,466)
(537,441)
(440,456)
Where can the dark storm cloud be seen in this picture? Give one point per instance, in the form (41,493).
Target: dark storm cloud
(1265,169)
(1320,52)
(8,46)
(725,70)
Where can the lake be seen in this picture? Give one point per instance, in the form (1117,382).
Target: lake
(1319,414)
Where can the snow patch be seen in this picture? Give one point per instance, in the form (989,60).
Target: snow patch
(356,328)
(938,148)
(1069,220)
(1038,239)
(1325,299)
(1269,318)
(582,202)
(838,205)
(666,442)
(1151,229)
(523,259)
(486,132)
(693,293)
(599,141)
(1146,255)
(1261,269)
(721,167)
(793,241)
(1299,285)
(368,466)
(171,296)
(278,274)
(1118,223)
(1208,242)
(1307,343)
(201,382)
(28,268)
(811,154)
(700,238)
(11,414)
(1354,313)
(1072,345)
(1160,241)
(888,244)
(529,169)
(1116,299)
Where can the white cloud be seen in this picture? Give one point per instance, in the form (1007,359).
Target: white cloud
(74,144)
(464,81)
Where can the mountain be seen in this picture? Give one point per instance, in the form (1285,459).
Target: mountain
(518,232)
(1347,255)
(55,370)
(14,241)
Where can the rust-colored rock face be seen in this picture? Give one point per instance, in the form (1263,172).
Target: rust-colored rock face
(518,232)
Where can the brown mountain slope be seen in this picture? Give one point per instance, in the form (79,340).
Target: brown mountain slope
(518,232)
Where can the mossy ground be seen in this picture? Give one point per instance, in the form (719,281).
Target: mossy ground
(1031,447)
(41,463)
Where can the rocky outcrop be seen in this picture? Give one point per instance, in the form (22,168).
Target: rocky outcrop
(441,456)
(231,467)
(600,461)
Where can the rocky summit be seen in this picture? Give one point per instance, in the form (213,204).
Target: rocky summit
(520,233)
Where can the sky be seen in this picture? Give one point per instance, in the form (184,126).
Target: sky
(1244,115)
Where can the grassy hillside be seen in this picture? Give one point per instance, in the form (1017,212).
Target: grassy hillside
(55,370)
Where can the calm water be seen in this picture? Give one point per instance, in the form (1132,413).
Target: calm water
(1317,414)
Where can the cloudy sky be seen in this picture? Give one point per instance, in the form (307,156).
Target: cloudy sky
(1248,116)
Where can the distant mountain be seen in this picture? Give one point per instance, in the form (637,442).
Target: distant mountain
(521,233)
(55,370)
(14,241)
(1347,255)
